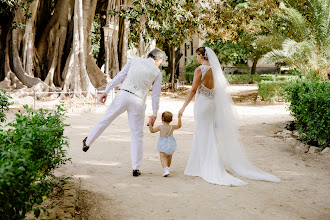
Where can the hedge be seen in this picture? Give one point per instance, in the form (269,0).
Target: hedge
(271,90)
(242,78)
(189,77)
(271,86)
(4,105)
(165,77)
(310,106)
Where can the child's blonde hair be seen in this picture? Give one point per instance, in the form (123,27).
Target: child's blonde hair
(167,116)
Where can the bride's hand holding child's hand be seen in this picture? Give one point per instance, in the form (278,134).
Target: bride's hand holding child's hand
(181,112)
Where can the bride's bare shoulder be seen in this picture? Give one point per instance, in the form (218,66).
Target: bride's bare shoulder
(198,70)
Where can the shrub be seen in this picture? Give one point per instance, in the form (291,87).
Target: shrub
(272,86)
(267,77)
(242,78)
(191,64)
(4,105)
(189,76)
(30,150)
(165,77)
(275,77)
(310,106)
(270,90)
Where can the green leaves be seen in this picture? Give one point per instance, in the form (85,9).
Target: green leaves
(8,8)
(242,78)
(310,105)
(32,147)
(4,105)
(191,64)
(229,52)
(302,30)
(270,90)
(170,22)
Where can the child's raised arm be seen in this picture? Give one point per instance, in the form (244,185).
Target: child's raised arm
(179,123)
(151,127)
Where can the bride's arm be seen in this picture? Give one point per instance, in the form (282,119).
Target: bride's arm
(193,90)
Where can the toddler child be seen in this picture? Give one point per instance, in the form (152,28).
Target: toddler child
(166,143)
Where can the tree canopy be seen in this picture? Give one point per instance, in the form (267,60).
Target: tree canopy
(169,22)
(233,25)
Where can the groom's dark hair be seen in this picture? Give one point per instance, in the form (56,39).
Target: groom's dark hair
(157,53)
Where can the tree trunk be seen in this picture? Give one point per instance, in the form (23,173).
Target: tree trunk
(172,64)
(44,49)
(178,56)
(95,74)
(5,28)
(114,62)
(86,85)
(123,42)
(10,81)
(29,39)
(17,46)
(101,56)
(113,45)
(142,30)
(254,67)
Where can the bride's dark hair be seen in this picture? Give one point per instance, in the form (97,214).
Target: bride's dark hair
(202,50)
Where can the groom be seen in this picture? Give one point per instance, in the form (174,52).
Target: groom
(137,76)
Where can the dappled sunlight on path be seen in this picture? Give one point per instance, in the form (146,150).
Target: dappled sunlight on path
(106,170)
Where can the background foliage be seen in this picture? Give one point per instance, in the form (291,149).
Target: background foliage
(242,78)
(229,51)
(299,36)
(271,87)
(184,20)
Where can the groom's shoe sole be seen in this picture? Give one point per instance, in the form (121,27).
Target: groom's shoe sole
(136,173)
(85,147)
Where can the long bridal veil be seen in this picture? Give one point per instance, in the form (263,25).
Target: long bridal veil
(230,147)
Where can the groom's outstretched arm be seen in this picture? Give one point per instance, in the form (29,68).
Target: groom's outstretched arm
(155,95)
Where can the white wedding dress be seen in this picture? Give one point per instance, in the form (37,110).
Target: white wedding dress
(216,143)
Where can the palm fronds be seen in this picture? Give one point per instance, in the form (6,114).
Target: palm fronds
(294,21)
(300,39)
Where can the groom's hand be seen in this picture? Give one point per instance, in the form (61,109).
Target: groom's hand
(103,98)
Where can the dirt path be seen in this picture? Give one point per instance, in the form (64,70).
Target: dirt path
(110,191)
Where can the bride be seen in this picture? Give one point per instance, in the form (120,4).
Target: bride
(216,142)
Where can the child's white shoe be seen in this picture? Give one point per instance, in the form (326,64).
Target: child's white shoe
(166,172)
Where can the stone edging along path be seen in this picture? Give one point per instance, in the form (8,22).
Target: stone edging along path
(291,137)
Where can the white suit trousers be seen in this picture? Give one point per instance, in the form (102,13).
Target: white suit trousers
(135,107)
